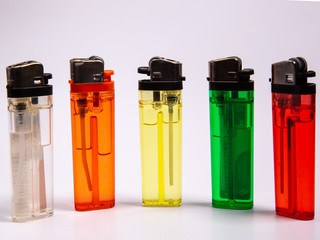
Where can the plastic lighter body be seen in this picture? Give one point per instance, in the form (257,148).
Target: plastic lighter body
(30,128)
(160,107)
(231,123)
(92,117)
(293,109)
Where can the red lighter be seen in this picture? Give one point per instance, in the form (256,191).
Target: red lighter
(293,109)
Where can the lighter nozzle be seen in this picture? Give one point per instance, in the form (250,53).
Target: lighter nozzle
(291,72)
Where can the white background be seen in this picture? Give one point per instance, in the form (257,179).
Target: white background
(127,34)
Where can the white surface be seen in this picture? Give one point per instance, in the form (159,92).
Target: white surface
(127,34)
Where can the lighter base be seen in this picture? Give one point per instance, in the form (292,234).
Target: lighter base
(231,204)
(33,216)
(93,206)
(165,203)
(296,215)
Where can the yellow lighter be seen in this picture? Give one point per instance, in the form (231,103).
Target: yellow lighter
(160,107)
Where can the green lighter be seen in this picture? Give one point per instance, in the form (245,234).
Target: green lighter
(231,123)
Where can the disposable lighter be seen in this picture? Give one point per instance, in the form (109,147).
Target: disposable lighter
(160,132)
(30,128)
(92,118)
(293,110)
(231,123)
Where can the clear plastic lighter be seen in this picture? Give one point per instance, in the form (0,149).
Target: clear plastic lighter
(30,128)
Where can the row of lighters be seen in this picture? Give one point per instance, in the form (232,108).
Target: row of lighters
(92,116)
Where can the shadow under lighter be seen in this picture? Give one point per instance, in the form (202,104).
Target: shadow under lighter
(293,110)
(160,107)
(231,123)
(30,127)
(92,118)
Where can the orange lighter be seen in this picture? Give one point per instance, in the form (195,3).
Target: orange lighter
(92,119)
